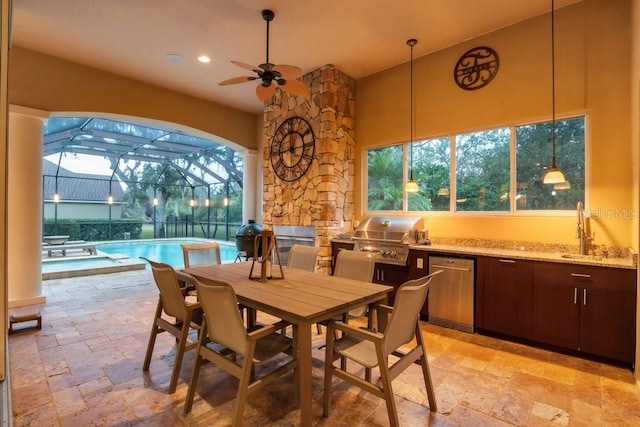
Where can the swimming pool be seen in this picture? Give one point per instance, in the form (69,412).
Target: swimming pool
(162,250)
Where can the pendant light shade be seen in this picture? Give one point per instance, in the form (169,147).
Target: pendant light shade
(553,175)
(411,186)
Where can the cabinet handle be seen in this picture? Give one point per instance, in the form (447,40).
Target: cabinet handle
(585,276)
(446,267)
(584,297)
(382,274)
(507,261)
(575,295)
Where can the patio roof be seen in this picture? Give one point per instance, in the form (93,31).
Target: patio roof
(199,160)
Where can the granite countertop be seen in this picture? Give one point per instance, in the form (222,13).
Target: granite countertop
(566,254)
(630,261)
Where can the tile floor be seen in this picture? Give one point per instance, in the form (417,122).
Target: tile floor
(84,369)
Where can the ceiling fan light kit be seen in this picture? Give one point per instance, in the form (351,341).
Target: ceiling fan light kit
(270,75)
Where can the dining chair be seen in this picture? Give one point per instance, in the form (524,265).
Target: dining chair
(372,349)
(356,265)
(303,257)
(198,254)
(187,316)
(224,337)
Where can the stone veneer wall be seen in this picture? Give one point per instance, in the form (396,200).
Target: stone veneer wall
(323,197)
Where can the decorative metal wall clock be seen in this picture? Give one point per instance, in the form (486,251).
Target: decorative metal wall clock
(476,68)
(292,149)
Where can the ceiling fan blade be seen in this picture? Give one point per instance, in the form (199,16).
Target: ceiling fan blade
(288,72)
(247,66)
(294,87)
(237,80)
(265,93)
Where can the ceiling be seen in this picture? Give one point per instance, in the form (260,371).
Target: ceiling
(133,37)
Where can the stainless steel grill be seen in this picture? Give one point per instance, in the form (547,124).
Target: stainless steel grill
(388,236)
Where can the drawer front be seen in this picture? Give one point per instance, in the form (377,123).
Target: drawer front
(585,275)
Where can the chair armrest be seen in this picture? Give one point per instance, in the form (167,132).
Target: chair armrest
(193,305)
(364,334)
(383,307)
(267,330)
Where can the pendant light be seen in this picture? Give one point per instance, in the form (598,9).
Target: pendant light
(553,175)
(411,186)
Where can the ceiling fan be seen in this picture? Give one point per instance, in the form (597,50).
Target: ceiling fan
(283,75)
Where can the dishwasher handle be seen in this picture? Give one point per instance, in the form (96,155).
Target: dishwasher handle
(447,267)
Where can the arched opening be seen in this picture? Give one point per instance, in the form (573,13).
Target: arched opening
(115,177)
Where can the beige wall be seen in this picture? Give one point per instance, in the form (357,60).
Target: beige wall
(51,84)
(592,76)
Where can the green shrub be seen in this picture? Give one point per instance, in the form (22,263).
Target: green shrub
(94,229)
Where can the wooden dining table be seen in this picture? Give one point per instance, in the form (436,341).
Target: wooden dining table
(301,298)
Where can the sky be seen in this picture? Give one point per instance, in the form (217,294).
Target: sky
(83,163)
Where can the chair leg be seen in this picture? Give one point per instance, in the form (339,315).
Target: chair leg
(387,390)
(177,364)
(328,373)
(152,337)
(296,371)
(188,401)
(319,328)
(426,373)
(243,385)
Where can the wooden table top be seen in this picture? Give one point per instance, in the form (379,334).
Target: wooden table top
(300,295)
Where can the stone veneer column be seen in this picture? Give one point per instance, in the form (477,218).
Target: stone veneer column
(324,196)
(24,202)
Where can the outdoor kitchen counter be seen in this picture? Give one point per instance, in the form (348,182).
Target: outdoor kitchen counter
(630,262)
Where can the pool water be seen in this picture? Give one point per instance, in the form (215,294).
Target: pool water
(166,250)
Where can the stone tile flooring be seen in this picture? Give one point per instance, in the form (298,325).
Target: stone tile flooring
(84,368)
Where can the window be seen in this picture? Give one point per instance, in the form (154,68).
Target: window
(431,168)
(384,179)
(482,171)
(533,147)
(484,179)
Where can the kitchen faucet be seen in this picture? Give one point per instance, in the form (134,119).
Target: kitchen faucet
(581,231)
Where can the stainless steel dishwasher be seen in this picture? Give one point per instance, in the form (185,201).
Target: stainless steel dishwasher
(451,293)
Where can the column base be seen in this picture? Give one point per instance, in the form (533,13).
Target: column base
(27,301)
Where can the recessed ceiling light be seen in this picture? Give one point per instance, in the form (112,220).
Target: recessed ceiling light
(175,58)
(204,59)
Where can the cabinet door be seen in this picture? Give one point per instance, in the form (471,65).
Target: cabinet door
(555,314)
(607,323)
(507,296)
(392,275)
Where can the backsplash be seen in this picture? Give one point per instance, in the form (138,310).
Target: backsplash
(597,250)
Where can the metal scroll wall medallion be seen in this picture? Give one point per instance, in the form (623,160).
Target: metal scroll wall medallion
(476,68)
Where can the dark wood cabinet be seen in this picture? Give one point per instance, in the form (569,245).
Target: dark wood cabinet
(392,275)
(586,308)
(506,288)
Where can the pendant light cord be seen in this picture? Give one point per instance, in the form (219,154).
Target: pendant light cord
(553,84)
(411,43)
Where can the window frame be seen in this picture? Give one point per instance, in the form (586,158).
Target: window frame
(452,172)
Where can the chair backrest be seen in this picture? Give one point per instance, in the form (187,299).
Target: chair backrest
(220,306)
(196,254)
(303,257)
(357,265)
(173,302)
(409,300)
